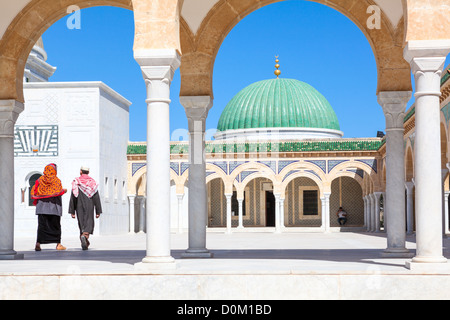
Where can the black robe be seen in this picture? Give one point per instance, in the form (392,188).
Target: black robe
(84,209)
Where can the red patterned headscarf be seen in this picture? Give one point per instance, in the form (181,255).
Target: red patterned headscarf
(48,186)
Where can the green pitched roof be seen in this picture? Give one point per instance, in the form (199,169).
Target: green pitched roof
(278,103)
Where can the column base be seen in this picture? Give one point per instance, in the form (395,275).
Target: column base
(10,255)
(155,263)
(427,265)
(397,253)
(197,254)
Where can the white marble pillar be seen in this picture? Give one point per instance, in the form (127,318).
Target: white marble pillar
(158,68)
(229,197)
(373,210)
(377,196)
(369,213)
(9,112)
(197,109)
(446,211)
(366,219)
(131,199)
(282,225)
(241,213)
(409,207)
(326,222)
(394,108)
(427,59)
(277,214)
(180,198)
(446,218)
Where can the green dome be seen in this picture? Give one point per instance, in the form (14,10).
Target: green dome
(278,103)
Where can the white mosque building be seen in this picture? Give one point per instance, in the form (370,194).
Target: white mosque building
(71,124)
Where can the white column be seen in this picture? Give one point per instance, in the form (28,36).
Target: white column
(241,213)
(369,213)
(366,215)
(409,207)
(197,109)
(377,196)
(180,198)
(9,112)
(394,108)
(131,199)
(446,218)
(427,59)
(373,211)
(229,196)
(326,212)
(446,211)
(158,67)
(444,173)
(282,225)
(277,213)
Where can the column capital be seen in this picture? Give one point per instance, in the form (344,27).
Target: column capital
(196,107)
(409,185)
(9,113)
(158,64)
(394,107)
(416,50)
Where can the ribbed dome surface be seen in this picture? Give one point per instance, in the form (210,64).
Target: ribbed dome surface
(278,103)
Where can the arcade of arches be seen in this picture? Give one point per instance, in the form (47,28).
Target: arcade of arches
(170,34)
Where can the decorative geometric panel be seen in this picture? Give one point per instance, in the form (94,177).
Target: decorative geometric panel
(284,164)
(36,141)
(245,174)
(322,164)
(184,167)
(135,167)
(234,164)
(222,165)
(334,163)
(371,163)
(359,172)
(175,166)
(271,164)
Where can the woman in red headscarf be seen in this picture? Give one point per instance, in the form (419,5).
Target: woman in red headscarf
(47,193)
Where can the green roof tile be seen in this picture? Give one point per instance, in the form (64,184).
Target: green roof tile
(278,103)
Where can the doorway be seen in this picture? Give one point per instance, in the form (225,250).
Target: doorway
(270,209)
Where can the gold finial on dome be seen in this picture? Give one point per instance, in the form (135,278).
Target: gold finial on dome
(277,72)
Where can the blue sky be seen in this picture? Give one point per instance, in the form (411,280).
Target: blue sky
(316,44)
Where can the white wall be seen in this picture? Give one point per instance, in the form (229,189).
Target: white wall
(78,110)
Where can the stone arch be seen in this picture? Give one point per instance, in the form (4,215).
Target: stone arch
(142,172)
(302,165)
(368,171)
(240,187)
(409,162)
(200,50)
(252,166)
(302,174)
(33,20)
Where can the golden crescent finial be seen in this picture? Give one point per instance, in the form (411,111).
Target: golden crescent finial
(277,72)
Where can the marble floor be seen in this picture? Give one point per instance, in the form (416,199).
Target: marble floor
(280,259)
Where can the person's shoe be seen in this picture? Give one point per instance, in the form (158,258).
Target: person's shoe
(60,247)
(37,247)
(84,242)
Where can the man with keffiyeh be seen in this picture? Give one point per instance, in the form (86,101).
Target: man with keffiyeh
(84,200)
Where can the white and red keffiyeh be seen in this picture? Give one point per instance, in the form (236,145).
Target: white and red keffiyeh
(86,184)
